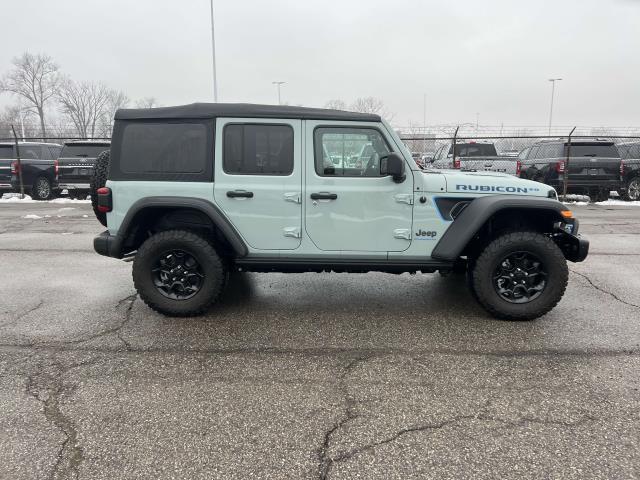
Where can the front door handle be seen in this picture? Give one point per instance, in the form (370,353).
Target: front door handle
(239,194)
(324,196)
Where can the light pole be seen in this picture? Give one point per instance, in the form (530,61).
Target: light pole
(553,90)
(424,123)
(213,57)
(278,85)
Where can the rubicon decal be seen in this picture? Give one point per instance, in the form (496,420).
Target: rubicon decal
(495,188)
(425,235)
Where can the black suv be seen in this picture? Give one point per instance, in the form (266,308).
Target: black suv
(594,166)
(630,170)
(39,168)
(75,166)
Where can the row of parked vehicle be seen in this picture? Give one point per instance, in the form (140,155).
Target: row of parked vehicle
(594,167)
(49,168)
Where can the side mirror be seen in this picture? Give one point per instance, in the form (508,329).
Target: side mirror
(393,164)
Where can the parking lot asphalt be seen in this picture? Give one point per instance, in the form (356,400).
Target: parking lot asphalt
(311,375)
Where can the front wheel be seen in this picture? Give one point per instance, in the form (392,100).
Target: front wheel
(520,276)
(178,273)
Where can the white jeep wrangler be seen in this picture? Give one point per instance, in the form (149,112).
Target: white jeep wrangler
(194,191)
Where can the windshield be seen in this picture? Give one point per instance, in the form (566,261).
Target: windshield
(90,151)
(6,151)
(474,150)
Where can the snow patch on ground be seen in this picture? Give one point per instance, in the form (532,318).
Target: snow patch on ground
(68,200)
(15,198)
(32,217)
(611,201)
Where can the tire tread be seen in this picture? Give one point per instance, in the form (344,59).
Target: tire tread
(219,272)
(501,243)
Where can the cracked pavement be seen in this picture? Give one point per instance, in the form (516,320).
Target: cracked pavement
(321,376)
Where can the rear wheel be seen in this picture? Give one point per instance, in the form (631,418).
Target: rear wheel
(178,273)
(41,189)
(100,175)
(632,190)
(520,276)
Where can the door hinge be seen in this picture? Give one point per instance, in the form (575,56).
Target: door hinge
(293,232)
(404,198)
(294,197)
(403,233)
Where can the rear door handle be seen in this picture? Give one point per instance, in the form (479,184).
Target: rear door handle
(324,196)
(239,194)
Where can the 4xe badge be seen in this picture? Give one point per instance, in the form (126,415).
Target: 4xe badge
(425,235)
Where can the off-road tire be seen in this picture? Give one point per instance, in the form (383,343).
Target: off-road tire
(99,179)
(634,195)
(37,194)
(539,245)
(213,267)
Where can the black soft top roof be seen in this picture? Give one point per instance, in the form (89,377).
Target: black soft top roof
(248,110)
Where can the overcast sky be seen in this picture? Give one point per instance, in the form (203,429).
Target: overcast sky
(492,57)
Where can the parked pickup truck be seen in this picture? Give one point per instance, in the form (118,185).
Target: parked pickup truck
(594,166)
(39,168)
(75,166)
(630,170)
(473,156)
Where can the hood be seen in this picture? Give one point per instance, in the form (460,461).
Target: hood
(490,183)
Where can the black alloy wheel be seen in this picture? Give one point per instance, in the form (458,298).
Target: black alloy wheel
(178,275)
(520,277)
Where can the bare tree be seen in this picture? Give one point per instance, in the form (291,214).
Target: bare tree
(84,104)
(336,104)
(117,100)
(147,102)
(34,78)
(371,105)
(24,120)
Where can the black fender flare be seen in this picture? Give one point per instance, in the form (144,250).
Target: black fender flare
(206,207)
(476,214)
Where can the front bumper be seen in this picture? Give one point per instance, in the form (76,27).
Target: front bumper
(108,245)
(574,247)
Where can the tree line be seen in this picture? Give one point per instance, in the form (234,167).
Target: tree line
(52,104)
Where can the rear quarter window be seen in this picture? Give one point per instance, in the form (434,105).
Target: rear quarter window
(180,150)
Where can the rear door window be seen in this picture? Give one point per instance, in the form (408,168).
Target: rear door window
(257,149)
